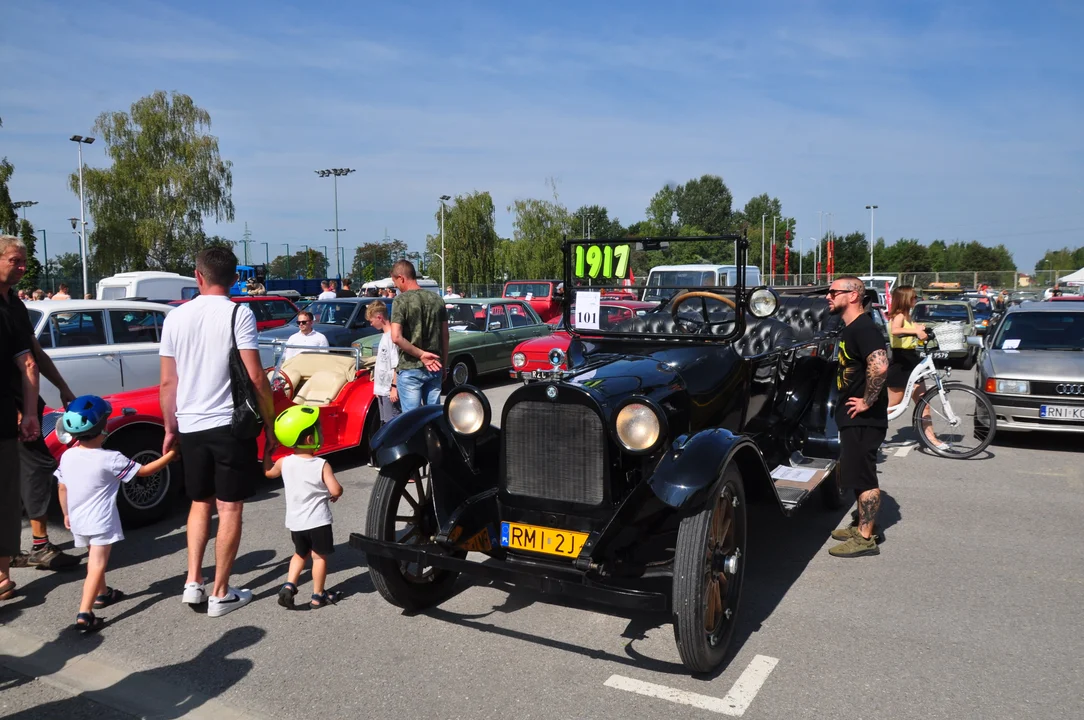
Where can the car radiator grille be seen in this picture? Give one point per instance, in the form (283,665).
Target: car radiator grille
(554,451)
(49,421)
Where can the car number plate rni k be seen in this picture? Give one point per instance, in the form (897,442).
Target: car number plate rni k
(536,538)
(1061,412)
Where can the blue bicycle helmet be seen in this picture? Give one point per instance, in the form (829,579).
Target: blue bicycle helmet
(86,416)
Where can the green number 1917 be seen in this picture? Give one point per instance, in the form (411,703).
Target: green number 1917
(605,261)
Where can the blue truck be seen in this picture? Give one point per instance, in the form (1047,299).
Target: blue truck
(304,287)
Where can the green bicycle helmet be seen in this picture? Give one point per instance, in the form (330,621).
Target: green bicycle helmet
(293,422)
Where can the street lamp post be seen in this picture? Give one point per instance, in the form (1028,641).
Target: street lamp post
(771,271)
(287,260)
(325,258)
(335,174)
(762,219)
(266,255)
(443,265)
(80,141)
(871,208)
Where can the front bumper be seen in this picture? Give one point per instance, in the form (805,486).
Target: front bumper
(1021,413)
(540,578)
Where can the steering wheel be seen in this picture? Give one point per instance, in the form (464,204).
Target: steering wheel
(281,381)
(704,324)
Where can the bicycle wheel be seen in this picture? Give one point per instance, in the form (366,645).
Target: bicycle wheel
(959,426)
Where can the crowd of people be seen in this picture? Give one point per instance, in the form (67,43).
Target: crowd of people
(62,293)
(202,341)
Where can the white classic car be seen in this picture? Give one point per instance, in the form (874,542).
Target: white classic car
(99,346)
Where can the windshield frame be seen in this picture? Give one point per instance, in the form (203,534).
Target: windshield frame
(574,283)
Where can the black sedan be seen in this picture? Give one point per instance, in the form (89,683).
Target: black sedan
(342,321)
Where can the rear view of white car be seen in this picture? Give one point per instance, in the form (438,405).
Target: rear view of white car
(99,346)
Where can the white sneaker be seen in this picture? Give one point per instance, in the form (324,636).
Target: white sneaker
(217,607)
(194,594)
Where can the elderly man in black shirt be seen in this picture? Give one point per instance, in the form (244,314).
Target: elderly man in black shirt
(18,413)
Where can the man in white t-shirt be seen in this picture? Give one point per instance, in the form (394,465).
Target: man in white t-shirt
(326,293)
(450,293)
(197,406)
(305,336)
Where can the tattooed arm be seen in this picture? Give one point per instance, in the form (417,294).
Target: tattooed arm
(876,374)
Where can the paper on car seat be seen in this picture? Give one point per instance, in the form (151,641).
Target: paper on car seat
(588,303)
(786,472)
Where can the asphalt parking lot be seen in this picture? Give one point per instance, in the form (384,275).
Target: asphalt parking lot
(972,610)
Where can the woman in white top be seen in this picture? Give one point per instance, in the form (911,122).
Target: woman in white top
(310,486)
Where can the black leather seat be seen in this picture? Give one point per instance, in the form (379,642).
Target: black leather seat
(808,316)
(764,335)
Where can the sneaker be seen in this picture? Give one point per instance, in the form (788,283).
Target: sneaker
(50,557)
(845,532)
(856,546)
(21,560)
(194,593)
(217,607)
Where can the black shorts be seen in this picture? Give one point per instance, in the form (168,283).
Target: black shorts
(903,362)
(858,448)
(219,466)
(37,468)
(318,540)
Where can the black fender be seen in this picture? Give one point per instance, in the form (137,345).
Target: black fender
(463,469)
(691,469)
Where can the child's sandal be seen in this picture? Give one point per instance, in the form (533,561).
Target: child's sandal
(88,622)
(112,595)
(327,597)
(287,594)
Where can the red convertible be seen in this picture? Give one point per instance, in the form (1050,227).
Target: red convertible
(338,382)
(532,355)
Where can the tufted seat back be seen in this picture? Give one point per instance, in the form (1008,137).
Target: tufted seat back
(764,335)
(808,316)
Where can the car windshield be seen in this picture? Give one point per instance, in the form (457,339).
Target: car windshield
(523,289)
(940,312)
(330,313)
(466,316)
(1041,331)
(663,284)
(981,309)
(596,268)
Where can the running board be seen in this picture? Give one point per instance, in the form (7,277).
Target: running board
(796,481)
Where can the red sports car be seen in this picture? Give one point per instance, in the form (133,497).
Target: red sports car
(533,354)
(339,383)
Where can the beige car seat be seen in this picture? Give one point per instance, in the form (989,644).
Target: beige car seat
(320,376)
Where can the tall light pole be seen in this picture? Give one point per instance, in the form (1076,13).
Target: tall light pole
(771,272)
(80,141)
(266,255)
(335,174)
(762,219)
(871,208)
(325,257)
(287,260)
(443,199)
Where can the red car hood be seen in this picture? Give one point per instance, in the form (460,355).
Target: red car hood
(141,400)
(543,345)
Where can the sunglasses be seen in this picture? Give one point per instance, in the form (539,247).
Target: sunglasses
(304,322)
(833,293)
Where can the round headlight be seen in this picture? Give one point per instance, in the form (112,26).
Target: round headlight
(63,436)
(519,360)
(466,414)
(763,302)
(638,427)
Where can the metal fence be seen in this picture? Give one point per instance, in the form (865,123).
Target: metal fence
(75,284)
(1000,279)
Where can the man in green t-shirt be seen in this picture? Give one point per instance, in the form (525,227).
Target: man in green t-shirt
(419,328)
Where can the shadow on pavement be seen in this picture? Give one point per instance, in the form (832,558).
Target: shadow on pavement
(779,550)
(152,692)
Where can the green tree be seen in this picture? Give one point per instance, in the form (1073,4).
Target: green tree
(66,266)
(596,218)
(540,228)
(166,177)
(704,203)
(373,260)
(470,241)
(749,219)
(661,214)
(8,217)
(33,266)
(1064,260)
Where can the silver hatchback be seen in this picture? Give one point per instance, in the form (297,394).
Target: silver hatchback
(1032,368)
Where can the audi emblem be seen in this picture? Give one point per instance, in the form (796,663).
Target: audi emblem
(1069,389)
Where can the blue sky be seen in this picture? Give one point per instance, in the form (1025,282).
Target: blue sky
(960,120)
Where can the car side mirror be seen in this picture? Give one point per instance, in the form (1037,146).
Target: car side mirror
(495,325)
(974,340)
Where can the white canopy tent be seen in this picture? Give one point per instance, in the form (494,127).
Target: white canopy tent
(1076,278)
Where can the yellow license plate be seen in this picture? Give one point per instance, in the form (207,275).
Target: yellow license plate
(536,538)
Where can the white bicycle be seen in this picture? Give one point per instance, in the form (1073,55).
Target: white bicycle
(952,419)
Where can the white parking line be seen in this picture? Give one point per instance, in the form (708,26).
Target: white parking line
(735,703)
(902,452)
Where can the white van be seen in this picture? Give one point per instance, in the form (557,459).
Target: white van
(690,277)
(423,282)
(150,284)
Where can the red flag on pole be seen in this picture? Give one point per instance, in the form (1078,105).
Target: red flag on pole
(772,275)
(786,264)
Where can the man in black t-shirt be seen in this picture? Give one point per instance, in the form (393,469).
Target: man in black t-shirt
(861,412)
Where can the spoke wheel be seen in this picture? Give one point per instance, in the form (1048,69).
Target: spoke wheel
(401,510)
(143,500)
(960,425)
(709,565)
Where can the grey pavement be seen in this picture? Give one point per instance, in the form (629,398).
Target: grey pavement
(972,610)
(28,697)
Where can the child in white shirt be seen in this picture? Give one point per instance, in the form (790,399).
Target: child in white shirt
(88,479)
(310,486)
(387,359)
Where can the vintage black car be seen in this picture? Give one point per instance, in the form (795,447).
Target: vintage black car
(630,469)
